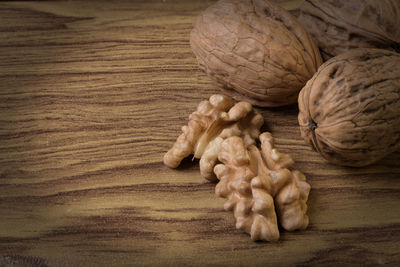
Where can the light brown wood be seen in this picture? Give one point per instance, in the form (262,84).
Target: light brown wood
(92,94)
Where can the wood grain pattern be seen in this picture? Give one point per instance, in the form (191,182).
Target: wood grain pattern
(92,94)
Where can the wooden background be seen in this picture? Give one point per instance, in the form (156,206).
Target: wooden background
(92,94)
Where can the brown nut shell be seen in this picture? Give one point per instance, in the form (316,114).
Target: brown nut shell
(255,50)
(350,109)
(340,25)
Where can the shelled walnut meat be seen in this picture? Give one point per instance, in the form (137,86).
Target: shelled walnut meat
(255,50)
(223,135)
(259,184)
(213,122)
(350,109)
(340,25)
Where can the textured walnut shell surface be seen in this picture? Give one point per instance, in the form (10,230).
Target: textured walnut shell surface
(340,25)
(255,50)
(350,109)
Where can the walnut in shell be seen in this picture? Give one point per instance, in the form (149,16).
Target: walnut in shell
(213,122)
(340,25)
(253,180)
(350,109)
(255,50)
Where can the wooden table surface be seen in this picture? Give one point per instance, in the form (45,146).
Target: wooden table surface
(92,94)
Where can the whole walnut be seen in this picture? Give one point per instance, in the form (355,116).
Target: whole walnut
(350,109)
(255,50)
(340,25)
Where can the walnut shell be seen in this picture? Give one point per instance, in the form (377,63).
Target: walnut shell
(255,50)
(350,109)
(340,25)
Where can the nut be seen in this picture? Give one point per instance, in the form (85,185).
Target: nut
(340,25)
(255,50)
(214,121)
(252,180)
(350,109)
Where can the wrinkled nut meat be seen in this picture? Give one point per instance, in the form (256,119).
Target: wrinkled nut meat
(213,122)
(255,50)
(350,109)
(340,25)
(252,180)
